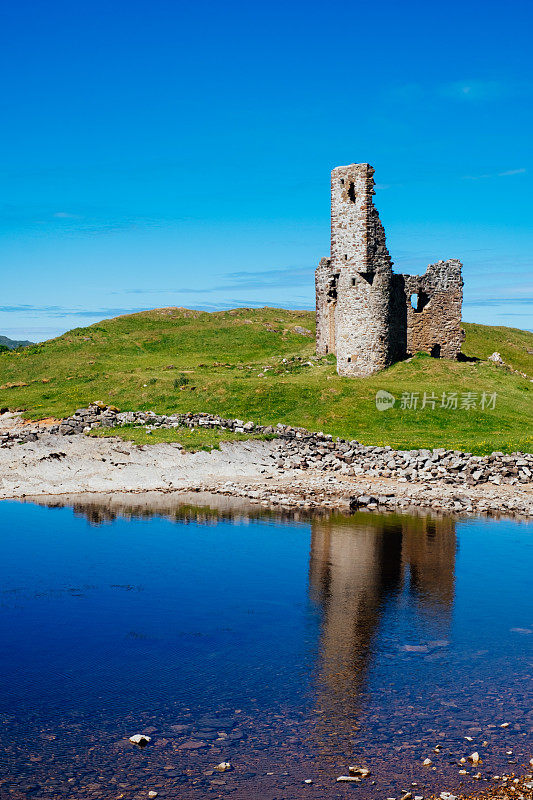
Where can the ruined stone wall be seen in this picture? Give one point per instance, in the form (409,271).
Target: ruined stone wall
(351,189)
(358,248)
(354,288)
(434,326)
(326,302)
(364,313)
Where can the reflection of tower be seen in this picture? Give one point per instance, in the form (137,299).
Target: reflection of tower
(428,551)
(357,570)
(353,567)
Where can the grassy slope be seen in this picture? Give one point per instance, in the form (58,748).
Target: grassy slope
(125,361)
(191,439)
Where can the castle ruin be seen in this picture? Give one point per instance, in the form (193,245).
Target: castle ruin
(366,314)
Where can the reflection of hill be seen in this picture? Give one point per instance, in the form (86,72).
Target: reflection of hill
(198,507)
(358,566)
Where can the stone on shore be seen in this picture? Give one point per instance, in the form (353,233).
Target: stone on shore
(140,739)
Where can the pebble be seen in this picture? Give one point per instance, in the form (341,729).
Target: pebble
(361,771)
(224,766)
(192,744)
(140,739)
(152,794)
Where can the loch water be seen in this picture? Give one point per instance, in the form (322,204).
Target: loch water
(290,646)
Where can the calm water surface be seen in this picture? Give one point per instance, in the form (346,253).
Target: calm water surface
(291,648)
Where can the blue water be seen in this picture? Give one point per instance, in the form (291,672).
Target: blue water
(309,644)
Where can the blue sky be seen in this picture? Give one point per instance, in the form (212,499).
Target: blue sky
(164,153)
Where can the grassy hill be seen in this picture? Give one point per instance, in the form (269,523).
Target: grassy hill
(259,365)
(11,344)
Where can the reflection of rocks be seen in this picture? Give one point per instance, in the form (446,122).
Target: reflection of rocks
(203,508)
(357,566)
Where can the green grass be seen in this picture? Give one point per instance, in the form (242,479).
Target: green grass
(191,439)
(174,360)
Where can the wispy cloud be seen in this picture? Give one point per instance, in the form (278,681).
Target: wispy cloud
(91,221)
(467,90)
(512,172)
(498,301)
(474,90)
(233,281)
(66,311)
(505,174)
(270,278)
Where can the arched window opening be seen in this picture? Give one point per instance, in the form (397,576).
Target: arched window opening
(419,301)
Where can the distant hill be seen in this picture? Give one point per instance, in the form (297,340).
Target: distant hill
(260,365)
(12,343)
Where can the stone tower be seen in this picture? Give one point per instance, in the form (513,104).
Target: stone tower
(364,311)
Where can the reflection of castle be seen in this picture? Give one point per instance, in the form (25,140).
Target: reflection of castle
(357,566)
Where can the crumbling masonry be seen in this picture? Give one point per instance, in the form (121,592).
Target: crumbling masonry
(365,314)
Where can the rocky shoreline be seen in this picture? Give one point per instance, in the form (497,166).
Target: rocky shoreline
(512,787)
(295,468)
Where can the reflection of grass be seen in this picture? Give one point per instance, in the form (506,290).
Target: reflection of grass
(191,439)
(231,363)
